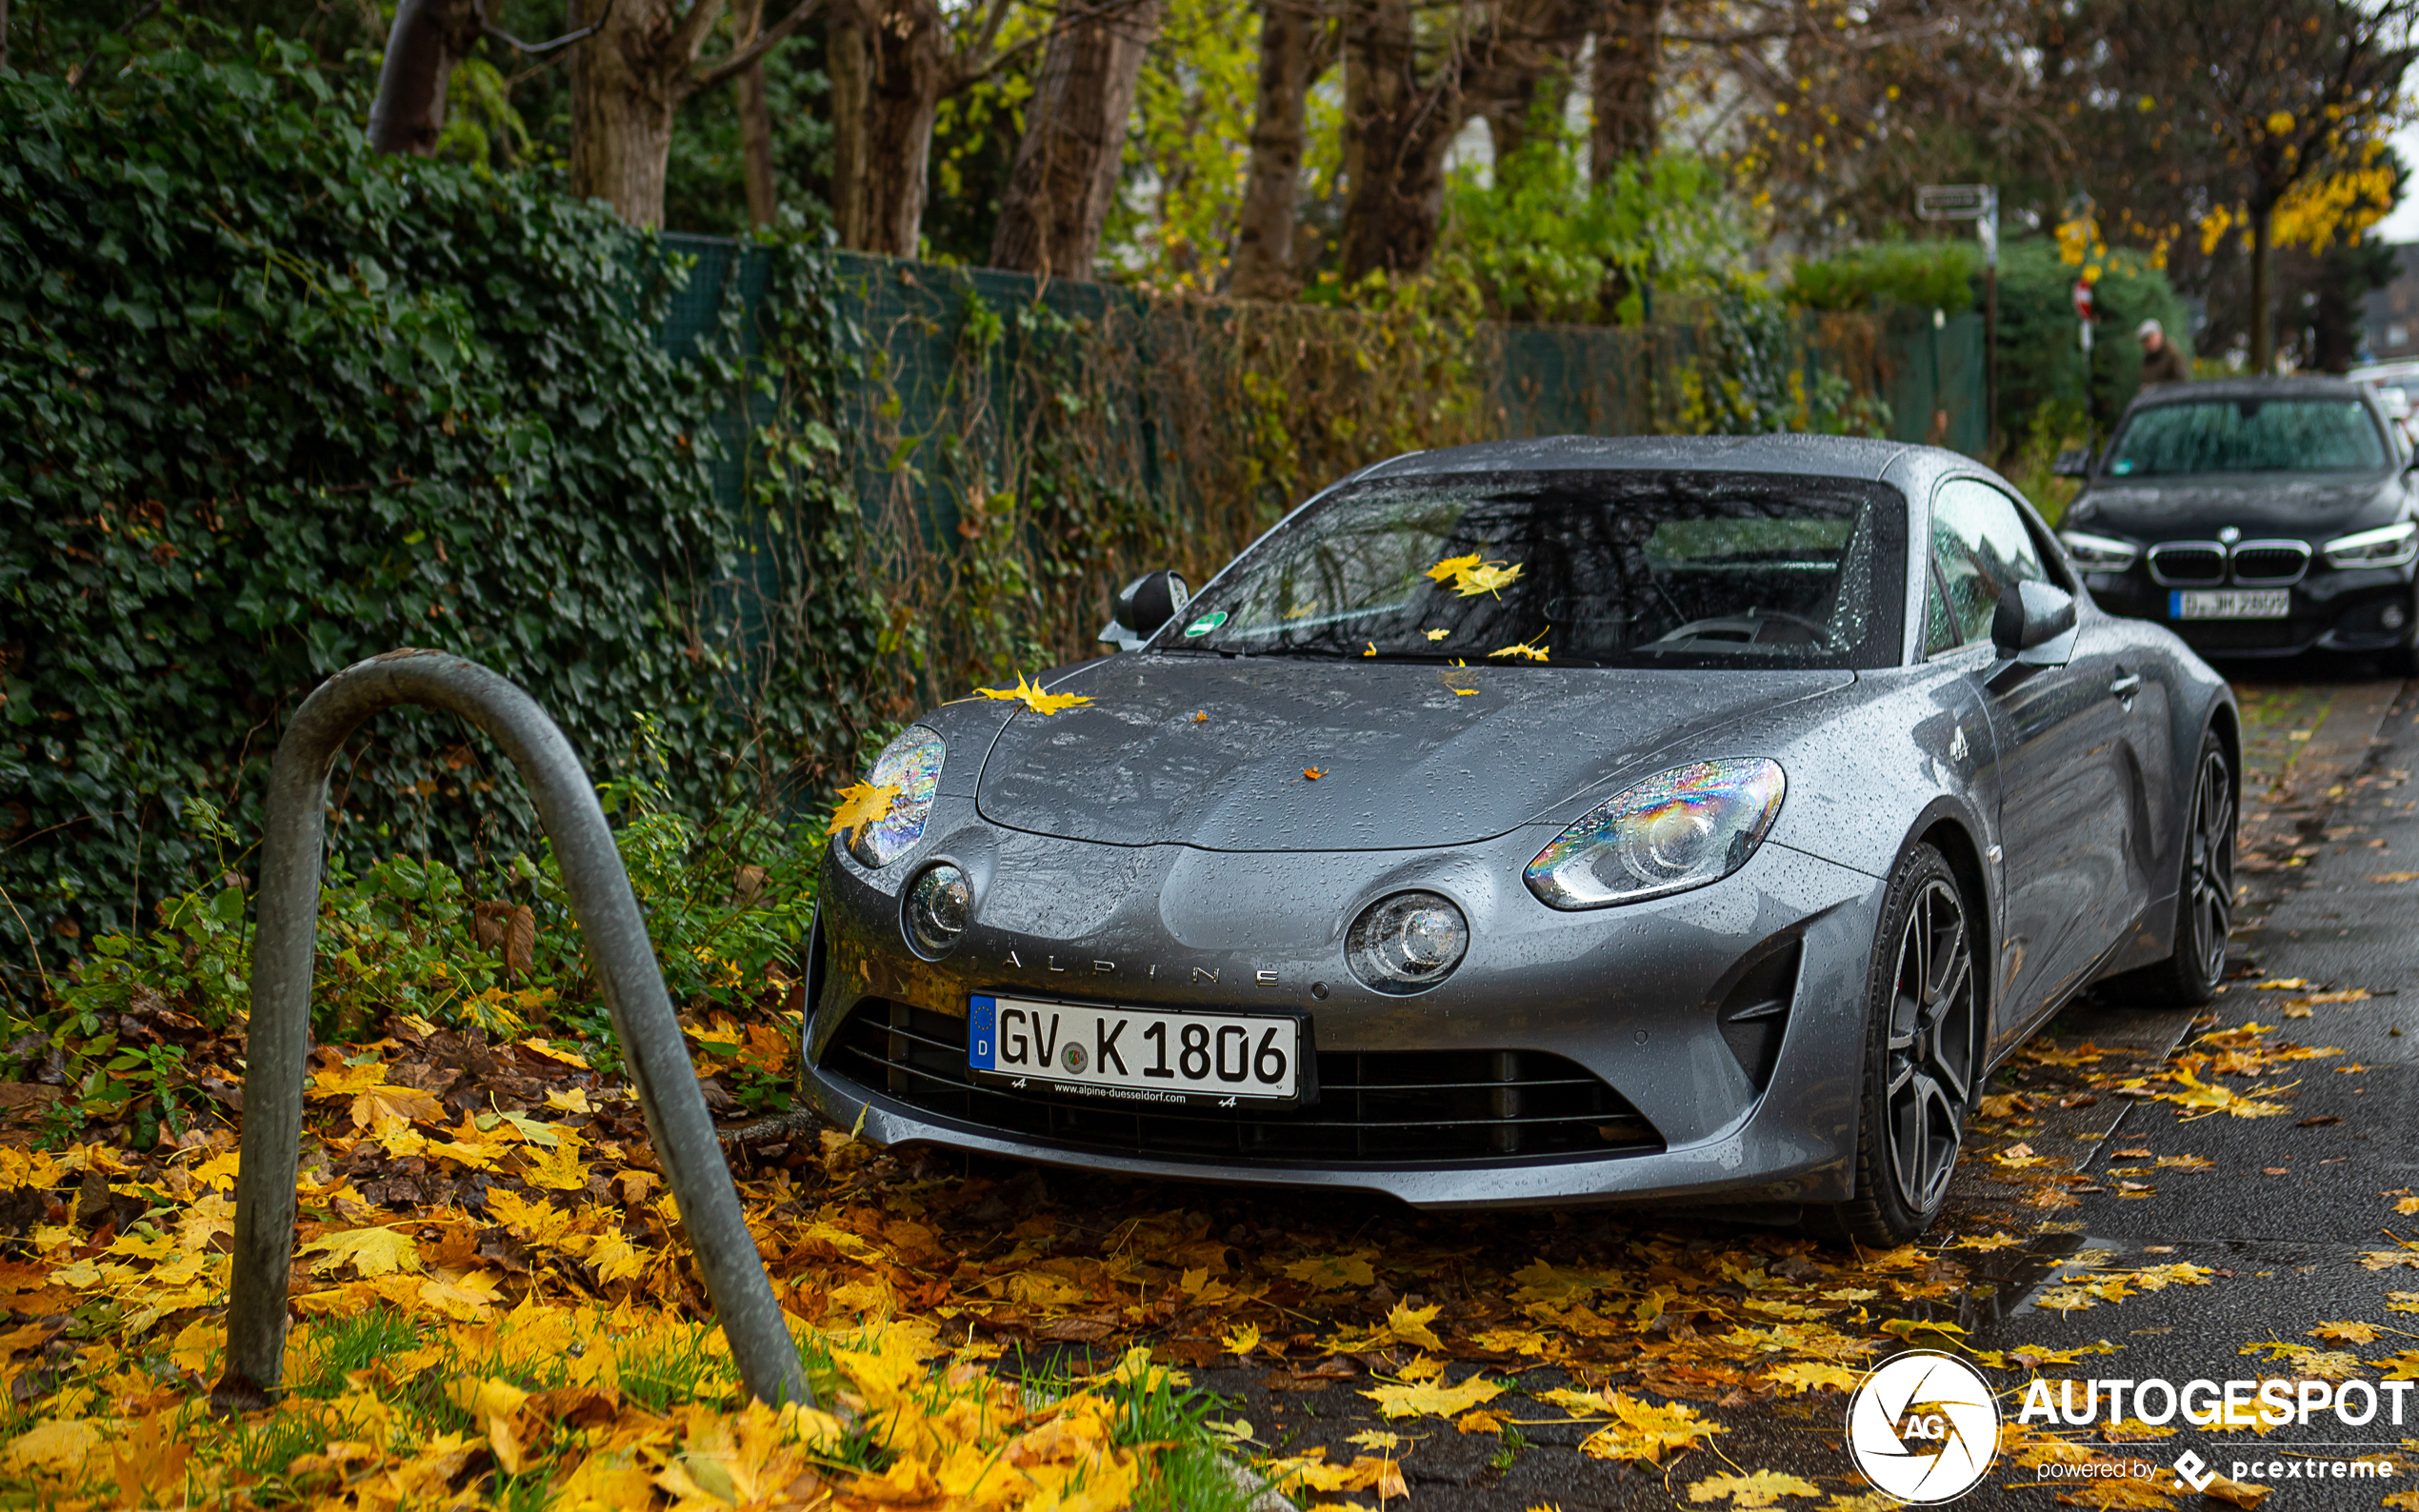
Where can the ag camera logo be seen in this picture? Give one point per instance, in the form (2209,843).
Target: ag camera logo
(1922,1427)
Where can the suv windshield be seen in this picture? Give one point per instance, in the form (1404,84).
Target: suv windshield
(1597,569)
(2248,435)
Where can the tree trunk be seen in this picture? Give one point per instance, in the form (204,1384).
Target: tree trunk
(1524,69)
(1623,81)
(755,122)
(890,64)
(626,83)
(1065,177)
(847,63)
(1291,62)
(2263,278)
(1397,127)
(430,37)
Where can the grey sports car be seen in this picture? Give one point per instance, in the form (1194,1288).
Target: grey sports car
(1539,824)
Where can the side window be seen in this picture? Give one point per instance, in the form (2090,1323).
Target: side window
(1980,548)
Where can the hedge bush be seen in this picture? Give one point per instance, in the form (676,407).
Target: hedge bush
(275,404)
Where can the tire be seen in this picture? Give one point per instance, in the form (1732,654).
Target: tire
(2204,892)
(1923,1059)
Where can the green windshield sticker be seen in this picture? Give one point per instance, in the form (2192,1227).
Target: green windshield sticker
(1205,624)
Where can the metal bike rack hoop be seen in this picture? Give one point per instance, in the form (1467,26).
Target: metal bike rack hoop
(611,933)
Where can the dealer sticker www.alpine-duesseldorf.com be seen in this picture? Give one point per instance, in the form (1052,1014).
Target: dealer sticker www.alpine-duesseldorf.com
(1925,1428)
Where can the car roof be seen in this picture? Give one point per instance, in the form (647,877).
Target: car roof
(2296,386)
(1785,453)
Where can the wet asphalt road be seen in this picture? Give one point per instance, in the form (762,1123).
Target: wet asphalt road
(2283,1212)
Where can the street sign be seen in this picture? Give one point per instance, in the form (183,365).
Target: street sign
(2082,300)
(1956,202)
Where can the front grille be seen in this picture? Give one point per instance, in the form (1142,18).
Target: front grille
(1392,1108)
(2271,564)
(2187,562)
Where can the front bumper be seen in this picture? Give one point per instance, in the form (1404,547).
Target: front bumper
(1597,1057)
(2333,610)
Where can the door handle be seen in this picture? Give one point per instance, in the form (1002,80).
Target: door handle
(2126,686)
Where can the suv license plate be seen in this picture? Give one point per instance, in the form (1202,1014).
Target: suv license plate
(2230,604)
(1136,1055)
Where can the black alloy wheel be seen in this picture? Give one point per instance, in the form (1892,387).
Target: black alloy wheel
(2203,896)
(2208,909)
(1932,1046)
(1923,1062)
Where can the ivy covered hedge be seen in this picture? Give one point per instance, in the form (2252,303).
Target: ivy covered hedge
(273,403)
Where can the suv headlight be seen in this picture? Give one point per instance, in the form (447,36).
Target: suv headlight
(1679,829)
(911,764)
(2098,553)
(2387,545)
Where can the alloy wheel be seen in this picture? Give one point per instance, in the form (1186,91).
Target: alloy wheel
(1931,1046)
(2208,877)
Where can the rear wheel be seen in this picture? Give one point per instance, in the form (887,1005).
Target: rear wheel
(2204,892)
(1923,1058)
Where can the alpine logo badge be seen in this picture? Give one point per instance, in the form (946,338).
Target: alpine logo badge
(1922,1427)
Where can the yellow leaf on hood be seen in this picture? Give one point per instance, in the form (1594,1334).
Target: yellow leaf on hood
(2348,1333)
(1032,696)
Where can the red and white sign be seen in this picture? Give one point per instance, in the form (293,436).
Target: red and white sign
(2082,300)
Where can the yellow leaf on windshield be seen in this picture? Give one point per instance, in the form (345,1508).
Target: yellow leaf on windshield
(1453,568)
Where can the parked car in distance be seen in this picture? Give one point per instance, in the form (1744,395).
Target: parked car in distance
(2396,385)
(2253,517)
(1579,820)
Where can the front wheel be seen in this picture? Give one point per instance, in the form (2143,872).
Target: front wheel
(1923,1059)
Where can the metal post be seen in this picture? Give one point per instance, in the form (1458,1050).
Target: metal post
(611,933)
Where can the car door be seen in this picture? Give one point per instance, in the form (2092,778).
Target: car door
(2059,718)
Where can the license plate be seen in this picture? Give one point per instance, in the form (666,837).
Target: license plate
(1136,1055)
(2230,604)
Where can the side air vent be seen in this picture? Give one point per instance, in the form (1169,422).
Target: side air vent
(1756,1013)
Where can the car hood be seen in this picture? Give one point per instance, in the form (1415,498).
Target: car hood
(2306,505)
(1216,752)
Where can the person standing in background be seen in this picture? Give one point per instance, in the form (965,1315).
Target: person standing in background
(2161,361)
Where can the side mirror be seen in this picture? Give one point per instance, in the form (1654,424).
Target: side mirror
(1142,606)
(2074,461)
(2033,615)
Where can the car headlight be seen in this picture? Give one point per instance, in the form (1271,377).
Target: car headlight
(2098,553)
(1679,829)
(2386,546)
(1408,942)
(911,764)
(938,905)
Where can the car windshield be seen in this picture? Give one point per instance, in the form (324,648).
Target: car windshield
(1597,569)
(2248,435)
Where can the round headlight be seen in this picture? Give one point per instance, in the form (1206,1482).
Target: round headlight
(1408,942)
(939,903)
